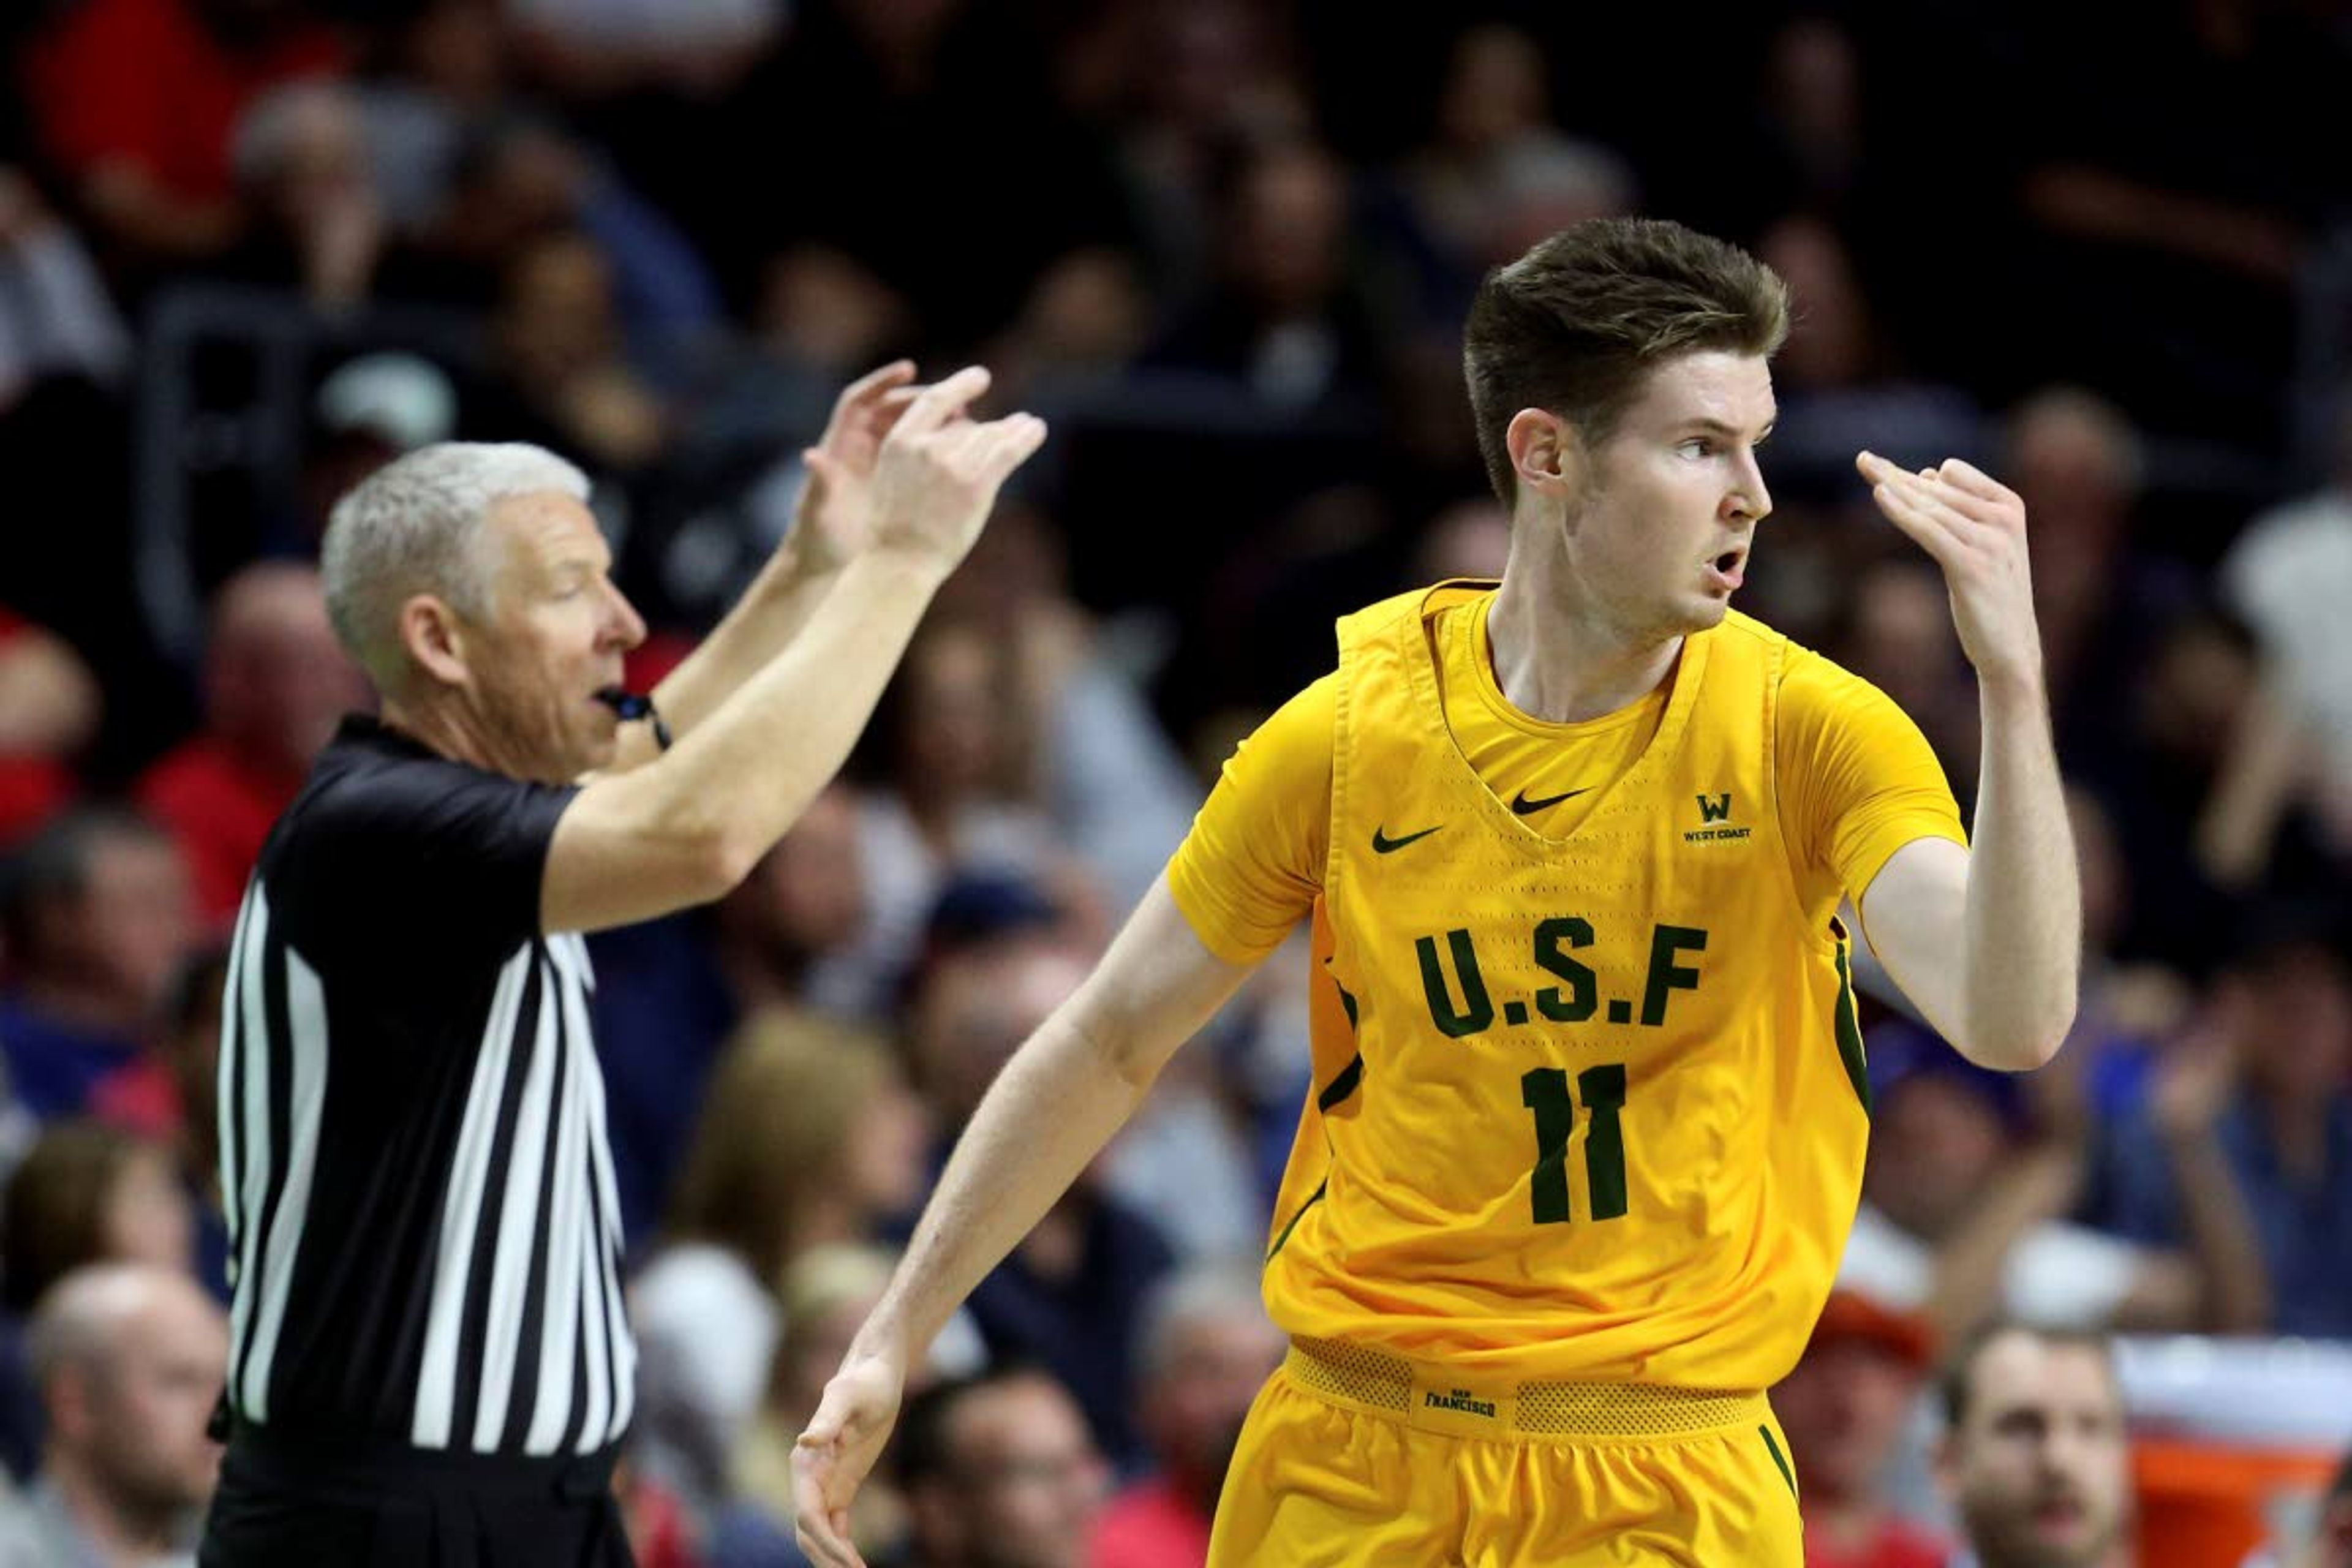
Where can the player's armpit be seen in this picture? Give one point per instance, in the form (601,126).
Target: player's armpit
(1914,918)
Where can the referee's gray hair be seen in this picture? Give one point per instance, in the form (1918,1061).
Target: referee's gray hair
(1203,1291)
(412,528)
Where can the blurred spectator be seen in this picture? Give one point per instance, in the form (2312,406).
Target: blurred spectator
(2289,575)
(822,308)
(1282,317)
(49,710)
(1497,174)
(512,182)
(2101,598)
(825,1294)
(562,379)
(998,1473)
(669,993)
(1844,1409)
(97,921)
(367,411)
(1842,384)
(808,1135)
(2246,1141)
(1113,787)
(1900,639)
(2035,1458)
(2123,1009)
(135,102)
(128,1360)
(2129,210)
(1078,328)
(867,91)
(86,1193)
(1199,81)
(191,1054)
(1963,1197)
(55,316)
(1207,1347)
(951,792)
(2184,710)
(804,900)
(1068,1297)
(276,683)
(306,176)
(1469,539)
(598,48)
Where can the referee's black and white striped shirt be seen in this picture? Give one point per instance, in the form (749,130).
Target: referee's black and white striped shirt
(423,1238)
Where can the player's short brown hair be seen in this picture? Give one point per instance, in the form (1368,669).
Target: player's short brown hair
(1575,324)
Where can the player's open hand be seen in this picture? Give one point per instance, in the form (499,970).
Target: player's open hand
(834,1457)
(1974,526)
(938,472)
(834,519)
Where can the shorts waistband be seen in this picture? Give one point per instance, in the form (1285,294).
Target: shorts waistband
(302,1460)
(1430,1399)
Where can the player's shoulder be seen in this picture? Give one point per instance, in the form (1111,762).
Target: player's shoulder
(1412,604)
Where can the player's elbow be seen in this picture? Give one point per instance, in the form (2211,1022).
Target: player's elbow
(2024,1039)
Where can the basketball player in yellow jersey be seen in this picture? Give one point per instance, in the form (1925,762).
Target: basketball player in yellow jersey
(1589,1111)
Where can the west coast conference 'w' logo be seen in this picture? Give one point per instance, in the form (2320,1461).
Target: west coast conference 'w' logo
(1714,809)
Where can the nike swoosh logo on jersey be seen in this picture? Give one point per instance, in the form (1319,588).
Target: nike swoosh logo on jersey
(1383,845)
(1521,804)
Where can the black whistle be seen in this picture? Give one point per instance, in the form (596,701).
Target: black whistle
(635,705)
(629,705)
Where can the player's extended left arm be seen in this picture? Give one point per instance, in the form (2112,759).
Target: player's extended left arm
(1988,941)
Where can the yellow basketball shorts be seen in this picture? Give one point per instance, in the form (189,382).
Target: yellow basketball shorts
(1357,1460)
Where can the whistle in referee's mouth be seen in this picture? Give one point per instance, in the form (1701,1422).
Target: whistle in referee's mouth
(629,705)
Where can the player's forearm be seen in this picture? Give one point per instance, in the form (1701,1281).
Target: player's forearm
(1057,1102)
(2023,935)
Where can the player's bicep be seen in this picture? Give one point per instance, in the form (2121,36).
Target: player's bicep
(1155,988)
(1913,917)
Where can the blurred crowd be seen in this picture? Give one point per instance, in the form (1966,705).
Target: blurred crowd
(249,250)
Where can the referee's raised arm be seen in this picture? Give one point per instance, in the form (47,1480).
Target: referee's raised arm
(686,828)
(430,1355)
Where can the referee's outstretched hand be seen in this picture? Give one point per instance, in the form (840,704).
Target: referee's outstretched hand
(834,1457)
(937,475)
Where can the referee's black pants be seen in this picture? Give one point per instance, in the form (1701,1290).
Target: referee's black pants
(288,1501)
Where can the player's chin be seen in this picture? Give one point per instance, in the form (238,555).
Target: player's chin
(1704,612)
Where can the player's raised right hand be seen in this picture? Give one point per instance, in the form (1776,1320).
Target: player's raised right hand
(834,1457)
(937,475)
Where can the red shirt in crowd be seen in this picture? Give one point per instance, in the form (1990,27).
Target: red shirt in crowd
(143,82)
(1149,1526)
(218,810)
(1895,1543)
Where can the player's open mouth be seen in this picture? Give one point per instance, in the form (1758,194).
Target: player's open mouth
(1730,569)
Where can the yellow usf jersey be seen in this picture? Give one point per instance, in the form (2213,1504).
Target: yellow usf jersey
(1589,1101)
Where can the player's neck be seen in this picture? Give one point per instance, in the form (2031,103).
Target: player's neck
(1559,658)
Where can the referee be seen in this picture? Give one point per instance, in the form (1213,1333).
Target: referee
(429,1362)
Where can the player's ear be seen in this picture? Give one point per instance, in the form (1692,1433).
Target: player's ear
(1547,453)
